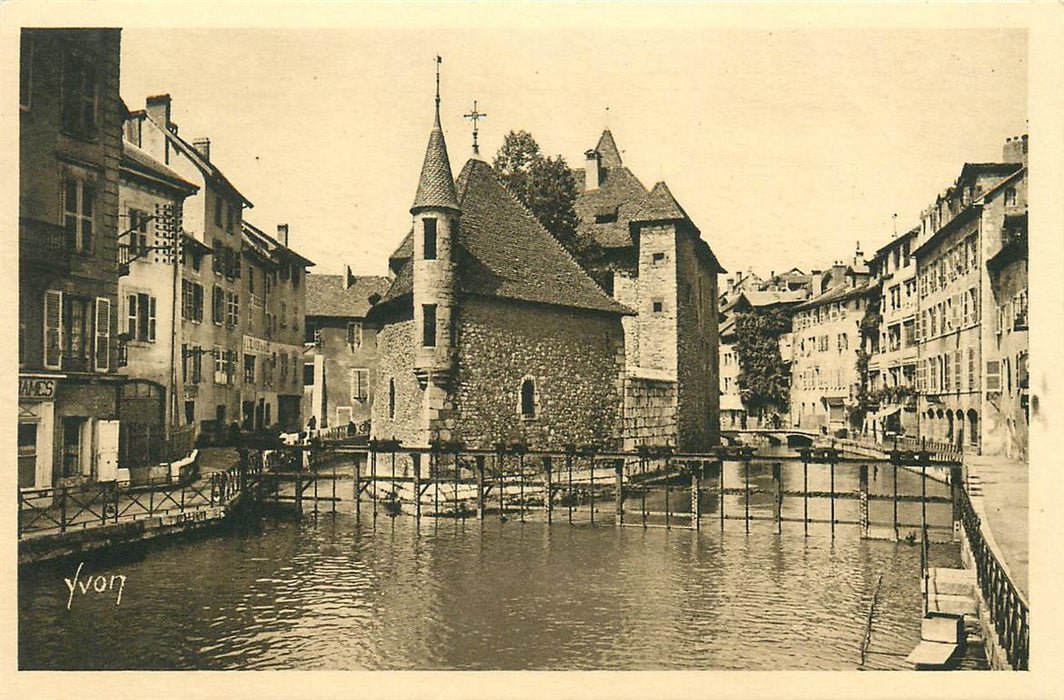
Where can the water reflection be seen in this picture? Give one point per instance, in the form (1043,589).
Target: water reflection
(335,593)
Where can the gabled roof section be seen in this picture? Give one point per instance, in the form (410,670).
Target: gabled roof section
(269,248)
(139,163)
(436,186)
(210,170)
(660,206)
(838,294)
(621,195)
(505,252)
(609,154)
(329,295)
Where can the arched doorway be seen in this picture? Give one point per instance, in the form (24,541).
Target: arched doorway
(960,429)
(973,428)
(142,432)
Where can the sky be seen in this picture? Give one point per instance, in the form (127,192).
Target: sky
(786,148)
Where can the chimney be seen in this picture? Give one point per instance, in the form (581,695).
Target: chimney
(203,146)
(158,108)
(1015,150)
(349,277)
(858,256)
(593,173)
(282,234)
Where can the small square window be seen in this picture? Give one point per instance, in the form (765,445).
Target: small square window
(657,257)
(658,306)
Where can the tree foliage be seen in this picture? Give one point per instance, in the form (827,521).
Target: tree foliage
(764,379)
(544,185)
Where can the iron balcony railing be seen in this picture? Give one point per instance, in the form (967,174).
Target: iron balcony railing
(43,244)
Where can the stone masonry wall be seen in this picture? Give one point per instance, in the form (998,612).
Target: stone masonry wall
(576,359)
(649,412)
(395,346)
(698,394)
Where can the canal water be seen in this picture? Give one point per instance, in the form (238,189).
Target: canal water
(332,592)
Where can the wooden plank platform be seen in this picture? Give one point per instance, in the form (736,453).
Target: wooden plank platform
(931,655)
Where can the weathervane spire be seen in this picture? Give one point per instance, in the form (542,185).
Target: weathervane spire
(439,60)
(475,116)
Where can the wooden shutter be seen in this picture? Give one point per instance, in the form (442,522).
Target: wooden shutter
(993,375)
(106,450)
(53,329)
(103,334)
(131,313)
(151,319)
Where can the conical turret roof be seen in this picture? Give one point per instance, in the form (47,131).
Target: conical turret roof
(609,154)
(436,186)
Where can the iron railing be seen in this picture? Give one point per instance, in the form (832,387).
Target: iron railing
(65,508)
(1008,609)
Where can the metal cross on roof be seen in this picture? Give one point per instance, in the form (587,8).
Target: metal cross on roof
(475,116)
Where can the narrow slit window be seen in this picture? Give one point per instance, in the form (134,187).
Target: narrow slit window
(430,239)
(429,337)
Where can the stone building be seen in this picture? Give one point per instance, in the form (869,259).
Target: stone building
(651,257)
(242,293)
(271,386)
(892,344)
(953,294)
(734,412)
(1006,411)
(490,332)
(213,218)
(826,328)
(150,199)
(70,147)
(340,356)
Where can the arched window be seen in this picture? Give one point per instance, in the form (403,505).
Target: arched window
(391,398)
(529,399)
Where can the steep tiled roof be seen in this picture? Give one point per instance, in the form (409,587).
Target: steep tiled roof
(837,294)
(661,206)
(507,252)
(436,186)
(609,154)
(329,295)
(620,191)
(759,299)
(503,251)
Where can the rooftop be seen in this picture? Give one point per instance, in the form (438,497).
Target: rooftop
(329,295)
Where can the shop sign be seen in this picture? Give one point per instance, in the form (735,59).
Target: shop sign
(37,387)
(256,345)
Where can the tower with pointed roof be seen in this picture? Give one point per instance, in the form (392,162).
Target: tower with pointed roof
(490,331)
(650,256)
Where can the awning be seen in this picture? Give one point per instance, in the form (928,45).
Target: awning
(833,400)
(731,402)
(879,415)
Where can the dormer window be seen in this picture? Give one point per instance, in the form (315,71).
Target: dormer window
(430,239)
(606,215)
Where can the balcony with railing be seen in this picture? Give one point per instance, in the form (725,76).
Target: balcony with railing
(43,245)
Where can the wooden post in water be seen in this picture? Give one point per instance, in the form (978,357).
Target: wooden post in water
(805,492)
(314,476)
(299,488)
(480,486)
(358,490)
(696,487)
(862,482)
(777,502)
(373,482)
(746,492)
(521,483)
(547,489)
(831,457)
(334,487)
(720,492)
(895,467)
(618,496)
(667,509)
(591,489)
(457,468)
(416,458)
(499,465)
(569,495)
(643,489)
